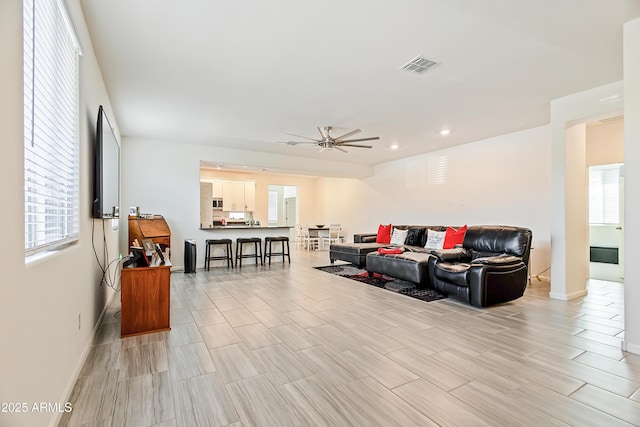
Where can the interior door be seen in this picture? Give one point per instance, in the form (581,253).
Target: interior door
(290,211)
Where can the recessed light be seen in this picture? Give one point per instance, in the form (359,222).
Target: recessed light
(444,132)
(395,146)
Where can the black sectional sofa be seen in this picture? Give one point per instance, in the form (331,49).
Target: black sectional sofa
(490,267)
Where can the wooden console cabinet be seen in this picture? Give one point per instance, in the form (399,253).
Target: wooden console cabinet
(145,297)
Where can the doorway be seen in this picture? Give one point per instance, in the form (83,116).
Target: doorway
(606,222)
(283,205)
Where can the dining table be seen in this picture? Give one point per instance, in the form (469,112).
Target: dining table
(319,232)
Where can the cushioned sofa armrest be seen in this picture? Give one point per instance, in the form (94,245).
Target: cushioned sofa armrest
(498,260)
(455,254)
(365,238)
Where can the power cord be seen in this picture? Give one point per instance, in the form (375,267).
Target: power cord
(105,264)
(537,276)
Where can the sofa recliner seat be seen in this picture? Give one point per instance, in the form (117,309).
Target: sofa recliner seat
(490,268)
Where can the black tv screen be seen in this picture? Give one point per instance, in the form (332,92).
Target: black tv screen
(106,178)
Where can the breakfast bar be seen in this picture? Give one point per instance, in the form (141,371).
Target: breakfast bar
(243,231)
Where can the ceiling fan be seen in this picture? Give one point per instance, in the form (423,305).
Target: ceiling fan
(328,142)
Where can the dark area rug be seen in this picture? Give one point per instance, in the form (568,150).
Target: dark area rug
(352,272)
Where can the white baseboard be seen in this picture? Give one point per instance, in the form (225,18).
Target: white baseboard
(629,347)
(567,297)
(66,395)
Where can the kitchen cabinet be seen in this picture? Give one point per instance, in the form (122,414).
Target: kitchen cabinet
(228,197)
(238,196)
(216,188)
(250,196)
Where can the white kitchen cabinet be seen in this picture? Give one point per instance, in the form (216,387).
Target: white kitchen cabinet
(238,196)
(249,196)
(217,188)
(228,199)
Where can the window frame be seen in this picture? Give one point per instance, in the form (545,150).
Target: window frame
(602,198)
(51,59)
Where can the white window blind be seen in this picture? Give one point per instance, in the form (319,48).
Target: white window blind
(604,194)
(272,213)
(51,122)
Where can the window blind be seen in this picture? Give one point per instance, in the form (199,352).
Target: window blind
(604,194)
(272,213)
(51,122)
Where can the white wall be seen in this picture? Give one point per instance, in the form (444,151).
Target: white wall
(632,183)
(608,100)
(501,180)
(42,348)
(576,212)
(569,222)
(176,195)
(605,143)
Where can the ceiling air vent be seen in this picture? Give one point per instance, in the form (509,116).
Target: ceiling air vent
(418,65)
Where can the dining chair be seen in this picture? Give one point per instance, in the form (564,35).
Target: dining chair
(308,239)
(333,237)
(299,237)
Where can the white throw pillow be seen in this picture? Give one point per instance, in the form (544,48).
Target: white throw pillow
(435,239)
(399,236)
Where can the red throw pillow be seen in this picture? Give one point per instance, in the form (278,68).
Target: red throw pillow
(384,251)
(384,234)
(454,237)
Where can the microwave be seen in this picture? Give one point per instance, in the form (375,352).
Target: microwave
(217,204)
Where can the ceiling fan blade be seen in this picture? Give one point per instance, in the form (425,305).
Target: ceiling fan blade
(340,149)
(305,137)
(361,139)
(356,145)
(298,142)
(346,135)
(324,132)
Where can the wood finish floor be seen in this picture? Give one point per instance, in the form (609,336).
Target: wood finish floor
(293,346)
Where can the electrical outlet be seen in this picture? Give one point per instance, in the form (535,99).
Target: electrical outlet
(79,321)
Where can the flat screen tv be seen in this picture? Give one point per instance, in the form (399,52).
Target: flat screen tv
(106,177)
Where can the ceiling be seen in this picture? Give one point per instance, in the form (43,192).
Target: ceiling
(242,74)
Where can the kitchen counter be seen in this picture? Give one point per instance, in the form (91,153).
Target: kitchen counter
(246,227)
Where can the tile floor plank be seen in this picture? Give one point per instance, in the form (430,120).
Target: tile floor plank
(291,345)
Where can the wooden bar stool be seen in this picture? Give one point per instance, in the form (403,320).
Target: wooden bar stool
(257,244)
(269,253)
(228,243)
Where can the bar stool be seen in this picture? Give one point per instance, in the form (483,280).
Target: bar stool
(228,243)
(257,244)
(282,240)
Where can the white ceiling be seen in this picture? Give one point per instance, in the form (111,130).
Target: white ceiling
(241,74)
